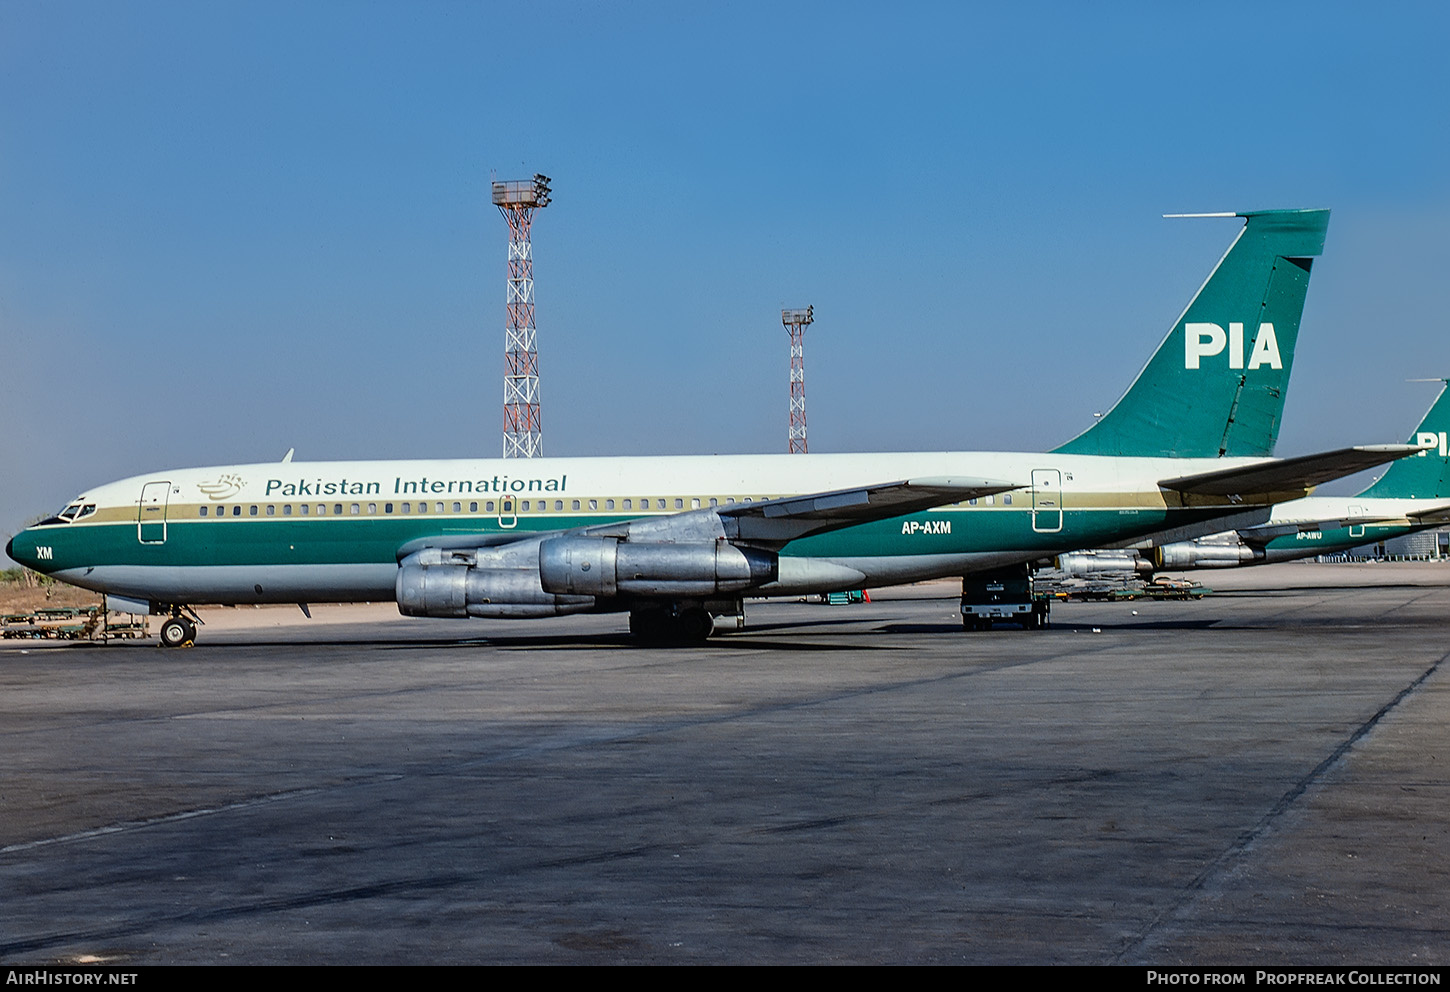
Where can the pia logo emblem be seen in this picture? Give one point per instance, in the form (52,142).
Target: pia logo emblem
(225,487)
(1206,340)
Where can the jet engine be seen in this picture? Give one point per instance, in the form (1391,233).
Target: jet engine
(1101,562)
(475,583)
(605,567)
(1191,554)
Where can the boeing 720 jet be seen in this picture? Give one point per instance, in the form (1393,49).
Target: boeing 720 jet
(677,541)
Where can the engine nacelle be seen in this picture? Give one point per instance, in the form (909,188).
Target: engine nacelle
(1187,554)
(605,567)
(1097,562)
(457,590)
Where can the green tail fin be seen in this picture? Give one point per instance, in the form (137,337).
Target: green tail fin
(1217,383)
(1426,475)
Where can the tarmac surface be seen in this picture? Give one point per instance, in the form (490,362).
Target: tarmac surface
(1258,778)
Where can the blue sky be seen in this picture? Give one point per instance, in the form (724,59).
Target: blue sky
(227,229)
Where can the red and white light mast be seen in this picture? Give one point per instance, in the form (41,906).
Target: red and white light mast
(796,322)
(523,436)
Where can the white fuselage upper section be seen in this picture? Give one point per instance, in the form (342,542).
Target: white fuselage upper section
(732,476)
(1312,509)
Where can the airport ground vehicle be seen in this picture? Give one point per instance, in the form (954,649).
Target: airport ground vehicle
(1003,595)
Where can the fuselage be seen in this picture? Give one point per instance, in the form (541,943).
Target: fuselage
(331,531)
(1383,518)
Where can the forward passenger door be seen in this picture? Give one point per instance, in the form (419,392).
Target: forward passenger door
(151,515)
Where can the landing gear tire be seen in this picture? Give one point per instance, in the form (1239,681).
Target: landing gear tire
(177,632)
(695,626)
(691,626)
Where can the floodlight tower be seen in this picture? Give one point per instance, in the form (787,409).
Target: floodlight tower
(523,436)
(796,322)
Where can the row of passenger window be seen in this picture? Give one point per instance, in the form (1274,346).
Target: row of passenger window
(489,506)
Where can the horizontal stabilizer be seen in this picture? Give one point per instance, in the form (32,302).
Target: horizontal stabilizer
(1283,475)
(1434,516)
(793,517)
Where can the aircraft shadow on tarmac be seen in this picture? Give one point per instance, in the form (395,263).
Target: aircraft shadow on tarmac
(750,638)
(1008,630)
(1290,590)
(734,640)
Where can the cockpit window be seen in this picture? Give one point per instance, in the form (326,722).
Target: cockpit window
(69,515)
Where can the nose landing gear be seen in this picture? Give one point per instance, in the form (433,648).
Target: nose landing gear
(179,631)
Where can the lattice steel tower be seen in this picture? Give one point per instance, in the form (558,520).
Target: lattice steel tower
(523,436)
(796,322)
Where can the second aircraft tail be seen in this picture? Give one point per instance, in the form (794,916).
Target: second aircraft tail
(1426,475)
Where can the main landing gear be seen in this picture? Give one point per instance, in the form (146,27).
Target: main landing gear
(673,626)
(179,630)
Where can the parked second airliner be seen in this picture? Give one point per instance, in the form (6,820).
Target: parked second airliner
(1413,495)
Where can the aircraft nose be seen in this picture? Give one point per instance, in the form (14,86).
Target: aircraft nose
(14,553)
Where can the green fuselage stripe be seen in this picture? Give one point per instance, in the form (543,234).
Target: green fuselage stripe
(376,539)
(1331,540)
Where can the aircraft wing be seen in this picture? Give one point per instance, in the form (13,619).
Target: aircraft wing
(781,520)
(466,542)
(768,522)
(1287,475)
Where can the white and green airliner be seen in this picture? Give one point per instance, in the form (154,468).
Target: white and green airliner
(675,541)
